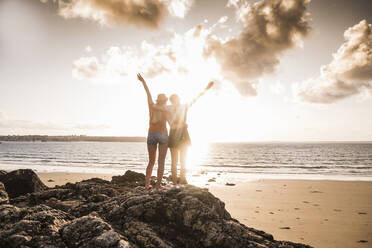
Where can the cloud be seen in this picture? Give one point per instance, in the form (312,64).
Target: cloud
(269,28)
(144,13)
(86,67)
(122,61)
(233,3)
(349,73)
(177,66)
(182,54)
(179,8)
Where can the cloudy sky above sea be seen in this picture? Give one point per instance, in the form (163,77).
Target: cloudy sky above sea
(285,70)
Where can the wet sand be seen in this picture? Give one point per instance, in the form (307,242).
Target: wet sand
(322,213)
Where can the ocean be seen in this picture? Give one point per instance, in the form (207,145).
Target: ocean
(230,161)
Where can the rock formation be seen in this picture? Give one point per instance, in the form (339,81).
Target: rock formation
(99,213)
(21,182)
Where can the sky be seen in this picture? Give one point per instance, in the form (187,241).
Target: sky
(284,70)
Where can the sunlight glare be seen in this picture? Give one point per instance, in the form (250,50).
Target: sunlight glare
(196,153)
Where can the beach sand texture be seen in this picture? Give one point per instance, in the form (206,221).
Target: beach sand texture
(323,214)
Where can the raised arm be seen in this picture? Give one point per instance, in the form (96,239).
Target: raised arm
(149,98)
(200,94)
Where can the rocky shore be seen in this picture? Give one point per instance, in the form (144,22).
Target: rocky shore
(118,213)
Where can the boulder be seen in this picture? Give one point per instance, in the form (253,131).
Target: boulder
(130,178)
(3,194)
(21,182)
(91,231)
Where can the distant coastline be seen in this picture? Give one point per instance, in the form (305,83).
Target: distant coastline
(70,138)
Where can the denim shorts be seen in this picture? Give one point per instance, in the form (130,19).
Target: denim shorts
(155,138)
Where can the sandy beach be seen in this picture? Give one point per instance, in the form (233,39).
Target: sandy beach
(52,179)
(322,214)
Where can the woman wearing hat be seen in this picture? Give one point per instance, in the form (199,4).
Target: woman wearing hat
(157,135)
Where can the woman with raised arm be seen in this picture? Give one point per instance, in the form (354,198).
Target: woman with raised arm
(179,138)
(157,134)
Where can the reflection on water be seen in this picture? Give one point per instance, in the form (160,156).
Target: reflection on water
(196,154)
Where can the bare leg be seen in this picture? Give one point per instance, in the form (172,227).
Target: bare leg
(161,161)
(174,158)
(152,156)
(183,157)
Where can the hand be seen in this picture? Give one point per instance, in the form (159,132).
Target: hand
(140,78)
(209,85)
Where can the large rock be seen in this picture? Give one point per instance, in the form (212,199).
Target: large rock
(2,172)
(98,213)
(184,217)
(130,178)
(3,194)
(32,227)
(100,234)
(21,182)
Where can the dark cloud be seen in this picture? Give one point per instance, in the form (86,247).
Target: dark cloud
(269,28)
(114,12)
(147,13)
(349,73)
